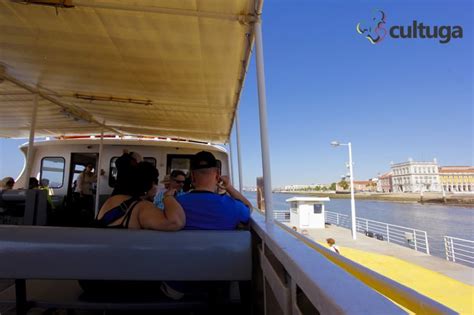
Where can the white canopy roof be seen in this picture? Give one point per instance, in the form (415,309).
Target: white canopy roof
(170,68)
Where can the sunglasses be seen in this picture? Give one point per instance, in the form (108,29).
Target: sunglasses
(179,181)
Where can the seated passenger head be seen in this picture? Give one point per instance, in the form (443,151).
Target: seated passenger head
(204,170)
(146,179)
(33,183)
(166,181)
(7,183)
(126,169)
(136,157)
(177,179)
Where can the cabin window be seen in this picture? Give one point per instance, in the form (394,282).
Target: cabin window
(52,171)
(182,162)
(113,168)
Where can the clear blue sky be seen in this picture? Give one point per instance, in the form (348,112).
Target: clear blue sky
(394,100)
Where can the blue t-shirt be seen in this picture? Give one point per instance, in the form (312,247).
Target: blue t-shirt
(209,211)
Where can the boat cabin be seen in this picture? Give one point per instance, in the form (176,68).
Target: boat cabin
(60,161)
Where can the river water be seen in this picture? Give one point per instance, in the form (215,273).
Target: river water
(437,220)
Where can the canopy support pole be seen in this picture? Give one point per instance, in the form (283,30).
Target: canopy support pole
(231,159)
(239,160)
(98,171)
(267,176)
(31,141)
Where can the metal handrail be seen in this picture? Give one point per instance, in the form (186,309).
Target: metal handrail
(459,249)
(392,233)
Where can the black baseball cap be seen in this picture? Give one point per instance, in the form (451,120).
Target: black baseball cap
(203,159)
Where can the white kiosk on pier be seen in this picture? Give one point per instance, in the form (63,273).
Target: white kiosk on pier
(307,212)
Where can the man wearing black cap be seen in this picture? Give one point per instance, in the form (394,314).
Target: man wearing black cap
(204,208)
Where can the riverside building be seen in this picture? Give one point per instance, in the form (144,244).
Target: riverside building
(384,184)
(416,176)
(457,178)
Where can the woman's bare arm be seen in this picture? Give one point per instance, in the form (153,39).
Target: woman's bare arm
(171,219)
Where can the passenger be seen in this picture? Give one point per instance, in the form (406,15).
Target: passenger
(84,189)
(176,181)
(127,166)
(332,245)
(166,183)
(129,210)
(7,183)
(33,183)
(45,186)
(204,208)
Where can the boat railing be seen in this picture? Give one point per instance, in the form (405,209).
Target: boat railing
(459,250)
(397,234)
(293,265)
(295,279)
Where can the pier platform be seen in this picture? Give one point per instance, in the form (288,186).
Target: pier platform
(449,283)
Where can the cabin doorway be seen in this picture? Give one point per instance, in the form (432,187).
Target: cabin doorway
(81,205)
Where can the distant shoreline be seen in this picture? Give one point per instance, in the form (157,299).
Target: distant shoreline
(428,198)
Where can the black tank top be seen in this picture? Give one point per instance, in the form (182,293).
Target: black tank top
(123,210)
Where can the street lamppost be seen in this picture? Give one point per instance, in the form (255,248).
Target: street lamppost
(351,174)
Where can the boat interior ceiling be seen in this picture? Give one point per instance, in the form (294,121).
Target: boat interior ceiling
(171,68)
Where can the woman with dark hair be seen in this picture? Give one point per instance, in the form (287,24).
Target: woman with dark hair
(130,209)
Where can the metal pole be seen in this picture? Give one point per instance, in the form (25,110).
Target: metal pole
(452,249)
(239,160)
(446,249)
(98,170)
(31,141)
(231,159)
(267,176)
(353,210)
(414,236)
(427,245)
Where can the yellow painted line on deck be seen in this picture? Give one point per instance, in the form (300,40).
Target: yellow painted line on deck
(443,289)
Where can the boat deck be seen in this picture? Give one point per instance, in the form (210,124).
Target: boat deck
(446,282)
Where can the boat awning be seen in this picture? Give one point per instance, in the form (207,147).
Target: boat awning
(138,67)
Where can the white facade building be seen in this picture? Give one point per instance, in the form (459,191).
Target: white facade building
(413,176)
(301,187)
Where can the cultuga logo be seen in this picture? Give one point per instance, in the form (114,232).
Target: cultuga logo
(375,31)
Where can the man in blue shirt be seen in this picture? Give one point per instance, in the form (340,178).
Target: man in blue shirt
(205,209)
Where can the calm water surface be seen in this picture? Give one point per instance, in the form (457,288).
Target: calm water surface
(436,220)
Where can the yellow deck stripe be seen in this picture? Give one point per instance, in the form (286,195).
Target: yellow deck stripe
(452,293)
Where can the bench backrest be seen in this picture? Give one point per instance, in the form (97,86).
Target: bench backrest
(23,207)
(36,252)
